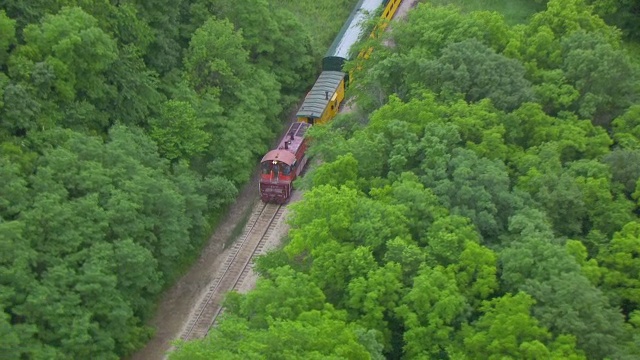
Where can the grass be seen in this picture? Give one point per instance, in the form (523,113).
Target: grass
(514,11)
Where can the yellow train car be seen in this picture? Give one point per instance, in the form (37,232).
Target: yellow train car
(390,9)
(388,12)
(323,102)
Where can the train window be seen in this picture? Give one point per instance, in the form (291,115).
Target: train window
(286,169)
(266,167)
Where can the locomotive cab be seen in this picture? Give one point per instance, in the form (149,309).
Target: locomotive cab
(276,176)
(280,167)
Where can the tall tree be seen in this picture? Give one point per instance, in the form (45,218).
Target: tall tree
(626,128)
(472,69)
(603,75)
(8,37)
(179,132)
(64,60)
(433,311)
(507,330)
(622,274)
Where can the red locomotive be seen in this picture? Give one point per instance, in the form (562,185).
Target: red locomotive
(281,166)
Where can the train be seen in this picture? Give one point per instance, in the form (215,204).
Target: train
(281,166)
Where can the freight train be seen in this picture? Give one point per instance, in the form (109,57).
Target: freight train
(281,166)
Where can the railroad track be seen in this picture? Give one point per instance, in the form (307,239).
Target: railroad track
(237,265)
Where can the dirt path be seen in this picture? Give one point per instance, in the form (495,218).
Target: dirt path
(404,7)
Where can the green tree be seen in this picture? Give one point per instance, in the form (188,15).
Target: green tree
(105,226)
(623,13)
(178,131)
(16,281)
(429,28)
(622,267)
(342,171)
(137,94)
(276,40)
(576,62)
(476,272)
(566,302)
(475,71)
(563,18)
(477,188)
(421,204)
(329,208)
(578,199)
(216,60)
(371,299)
(432,312)
(598,328)
(13,188)
(626,128)
(506,329)
(406,253)
(335,264)
(589,267)
(164,19)
(574,139)
(375,223)
(64,59)
(8,37)
(10,346)
(447,238)
(603,75)
(418,46)
(231,90)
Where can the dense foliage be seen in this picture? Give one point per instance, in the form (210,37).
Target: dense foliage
(126,127)
(482,202)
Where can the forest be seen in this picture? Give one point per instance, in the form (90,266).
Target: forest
(482,201)
(126,129)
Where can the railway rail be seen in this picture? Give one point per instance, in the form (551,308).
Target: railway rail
(261,224)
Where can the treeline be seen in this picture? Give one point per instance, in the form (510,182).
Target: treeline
(126,128)
(482,202)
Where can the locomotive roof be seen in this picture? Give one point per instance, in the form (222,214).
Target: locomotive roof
(286,154)
(351,31)
(279,155)
(316,100)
